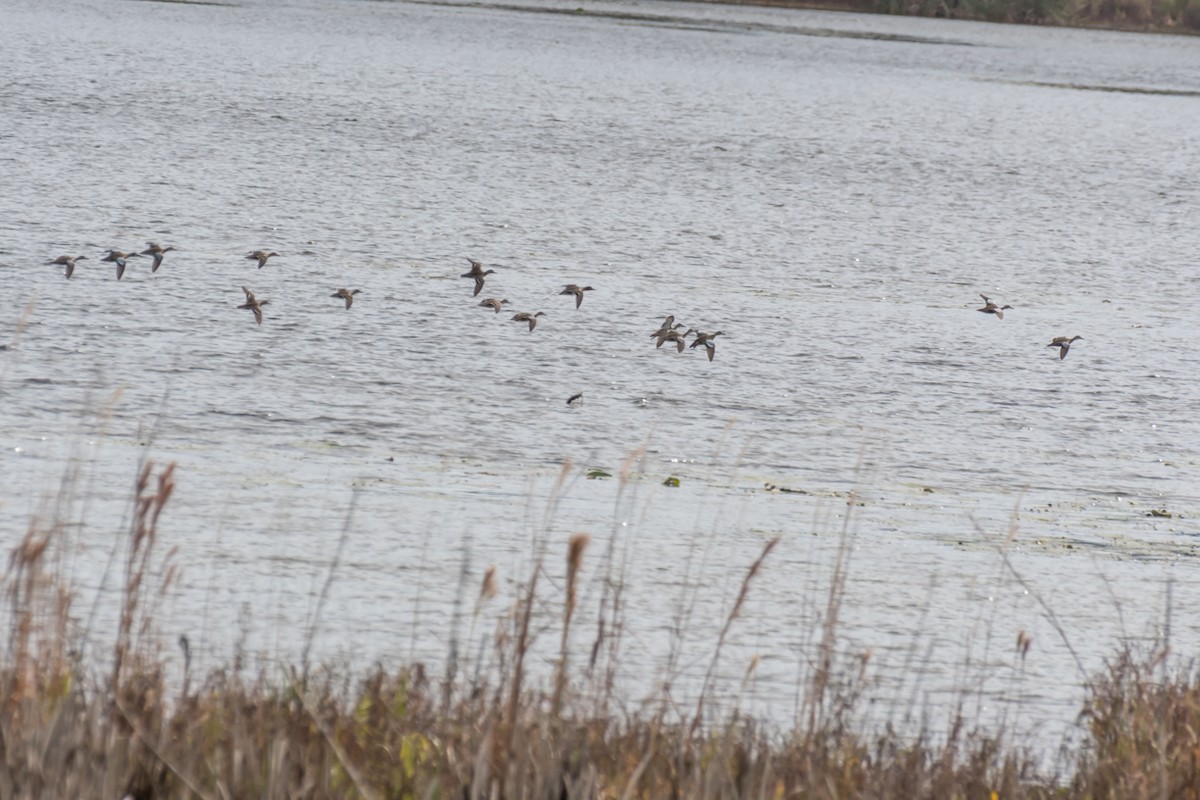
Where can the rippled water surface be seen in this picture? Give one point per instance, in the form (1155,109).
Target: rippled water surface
(831,191)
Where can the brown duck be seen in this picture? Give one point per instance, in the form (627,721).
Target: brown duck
(576,290)
(991,308)
(525,316)
(493,304)
(673,335)
(478,273)
(668,324)
(261,257)
(347,295)
(68,262)
(706,339)
(1063,344)
(254,305)
(119,258)
(158,251)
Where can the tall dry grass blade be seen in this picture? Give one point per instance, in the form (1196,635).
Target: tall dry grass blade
(487,591)
(300,692)
(827,648)
(1051,617)
(25,579)
(734,612)
(575,548)
(157,752)
(143,535)
(612,576)
(635,777)
(464,575)
(523,640)
(333,568)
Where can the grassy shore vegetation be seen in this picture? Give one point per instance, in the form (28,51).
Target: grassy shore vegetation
(1164,16)
(79,723)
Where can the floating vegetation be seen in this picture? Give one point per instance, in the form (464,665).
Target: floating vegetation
(672,481)
(1159,512)
(593,474)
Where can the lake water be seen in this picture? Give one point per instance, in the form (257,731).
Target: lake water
(832,191)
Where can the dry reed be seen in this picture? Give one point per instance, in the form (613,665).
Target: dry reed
(393,734)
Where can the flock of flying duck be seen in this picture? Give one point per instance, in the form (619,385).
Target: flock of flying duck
(1063,343)
(669,331)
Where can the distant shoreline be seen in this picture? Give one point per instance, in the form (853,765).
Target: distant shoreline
(1138,16)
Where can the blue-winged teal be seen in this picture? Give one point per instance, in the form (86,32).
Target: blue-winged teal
(347,295)
(525,316)
(477,272)
(254,305)
(1063,344)
(493,304)
(261,257)
(706,339)
(673,335)
(991,308)
(576,290)
(68,262)
(119,258)
(158,251)
(669,324)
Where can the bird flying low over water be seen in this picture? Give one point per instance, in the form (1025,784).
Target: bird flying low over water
(119,258)
(667,325)
(1063,344)
(261,257)
(706,339)
(158,251)
(576,290)
(347,295)
(991,308)
(493,304)
(68,262)
(254,305)
(525,316)
(673,335)
(478,273)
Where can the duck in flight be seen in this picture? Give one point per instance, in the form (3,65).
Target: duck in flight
(119,258)
(673,335)
(254,305)
(493,304)
(261,257)
(706,339)
(576,290)
(68,262)
(478,273)
(1063,344)
(347,295)
(991,308)
(158,251)
(525,316)
(669,324)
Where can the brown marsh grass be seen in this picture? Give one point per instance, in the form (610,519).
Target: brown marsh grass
(117,727)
